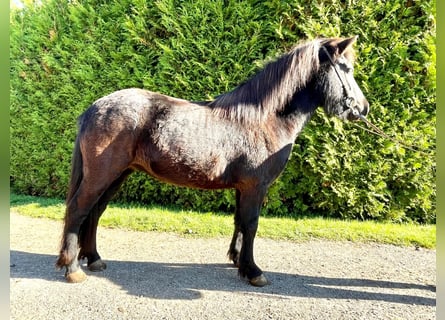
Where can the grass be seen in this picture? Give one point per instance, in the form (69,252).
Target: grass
(190,223)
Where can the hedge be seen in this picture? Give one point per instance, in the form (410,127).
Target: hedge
(66,54)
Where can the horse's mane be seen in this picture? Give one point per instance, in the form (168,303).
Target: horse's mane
(272,88)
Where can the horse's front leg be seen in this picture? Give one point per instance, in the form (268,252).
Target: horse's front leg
(249,211)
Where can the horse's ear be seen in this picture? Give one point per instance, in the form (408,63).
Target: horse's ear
(335,47)
(345,44)
(328,47)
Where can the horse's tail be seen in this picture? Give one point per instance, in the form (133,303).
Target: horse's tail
(76,171)
(66,253)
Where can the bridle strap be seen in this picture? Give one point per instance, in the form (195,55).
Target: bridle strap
(350,101)
(331,60)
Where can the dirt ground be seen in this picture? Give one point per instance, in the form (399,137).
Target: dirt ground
(164,276)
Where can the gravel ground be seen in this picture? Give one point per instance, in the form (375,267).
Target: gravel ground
(164,276)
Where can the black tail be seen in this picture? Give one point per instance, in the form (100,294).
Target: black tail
(66,255)
(76,171)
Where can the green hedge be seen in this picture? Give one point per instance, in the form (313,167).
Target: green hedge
(66,55)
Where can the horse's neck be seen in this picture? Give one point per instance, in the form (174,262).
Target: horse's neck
(299,111)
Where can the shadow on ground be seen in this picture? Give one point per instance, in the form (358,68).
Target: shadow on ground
(186,281)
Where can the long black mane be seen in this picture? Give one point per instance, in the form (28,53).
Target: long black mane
(272,88)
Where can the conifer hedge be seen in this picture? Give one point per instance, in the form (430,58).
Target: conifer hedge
(66,54)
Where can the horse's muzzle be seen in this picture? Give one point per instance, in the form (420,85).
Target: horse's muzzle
(355,111)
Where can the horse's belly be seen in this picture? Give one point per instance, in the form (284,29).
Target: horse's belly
(204,175)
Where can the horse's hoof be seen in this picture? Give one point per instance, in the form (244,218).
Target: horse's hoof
(259,281)
(97,265)
(76,276)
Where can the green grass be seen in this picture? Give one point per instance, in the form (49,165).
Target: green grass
(155,218)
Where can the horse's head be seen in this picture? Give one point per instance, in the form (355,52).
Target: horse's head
(341,95)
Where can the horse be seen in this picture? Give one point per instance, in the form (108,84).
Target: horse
(241,140)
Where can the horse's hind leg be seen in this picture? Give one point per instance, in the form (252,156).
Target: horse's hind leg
(237,238)
(87,239)
(77,211)
(88,230)
(78,208)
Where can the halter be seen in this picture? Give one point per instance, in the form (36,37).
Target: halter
(349,101)
(351,104)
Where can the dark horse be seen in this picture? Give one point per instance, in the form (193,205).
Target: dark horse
(240,140)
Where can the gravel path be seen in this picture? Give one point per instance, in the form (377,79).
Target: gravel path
(164,276)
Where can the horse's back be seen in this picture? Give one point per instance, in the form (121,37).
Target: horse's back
(128,108)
